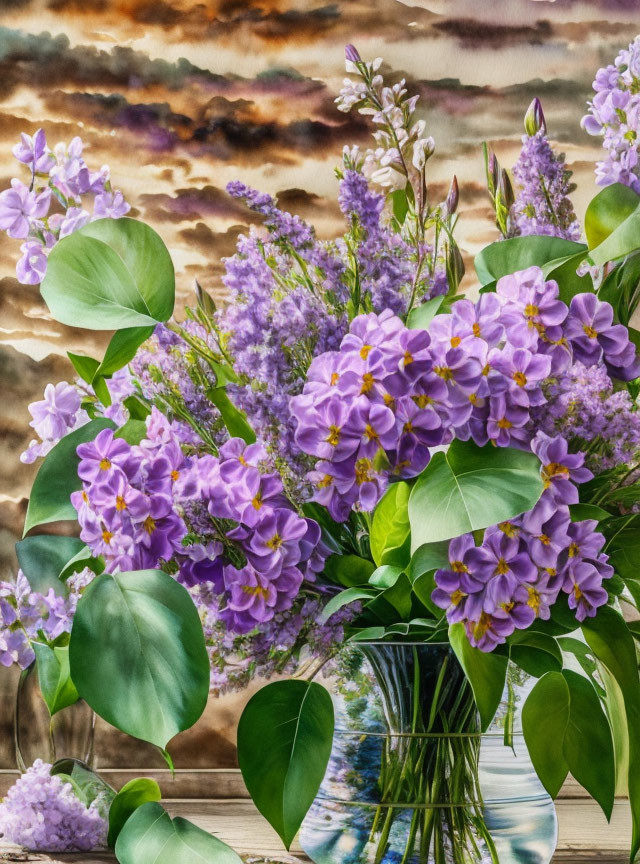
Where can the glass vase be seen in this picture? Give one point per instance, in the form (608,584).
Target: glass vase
(412,780)
(69,734)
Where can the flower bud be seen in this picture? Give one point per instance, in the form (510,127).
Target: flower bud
(351,54)
(506,190)
(534,119)
(493,172)
(455,266)
(423,149)
(451,203)
(205,302)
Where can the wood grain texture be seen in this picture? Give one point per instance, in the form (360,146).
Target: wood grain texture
(584,835)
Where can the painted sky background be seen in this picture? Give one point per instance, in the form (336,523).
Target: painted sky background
(179,97)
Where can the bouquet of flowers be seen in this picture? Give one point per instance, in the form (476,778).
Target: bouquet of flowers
(352,449)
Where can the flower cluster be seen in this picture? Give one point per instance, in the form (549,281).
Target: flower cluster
(125,507)
(27,615)
(256,549)
(584,406)
(521,566)
(51,205)
(373,409)
(41,812)
(614,114)
(542,205)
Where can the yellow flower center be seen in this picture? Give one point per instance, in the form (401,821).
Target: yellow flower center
(531,310)
(520,378)
(105,464)
(364,351)
(591,333)
(574,550)
(423,400)
(326,481)
(503,423)
(363,471)
(367,382)
(370,432)
(149,525)
(408,358)
(335,377)
(256,590)
(509,529)
(444,372)
(274,542)
(107,536)
(257,501)
(502,568)
(486,369)
(459,567)
(577,593)
(456,597)
(455,341)
(175,474)
(334,435)
(476,330)
(534,599)
(121,504)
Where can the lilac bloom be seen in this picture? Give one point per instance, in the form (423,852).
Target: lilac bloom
(538,596)
(74,218)
(457,368)
(334,488)
(583,584)
(372,331)
(250,498)
(254,598)
(333,429)
(19,207)
(109,205)
(560,469)
(415,361)
(105,455)
(506,422)
(421,428)
(33,151)
(585,541)
(501,564)
(236,455)
(117,499)
(593,336)
(534,303)
(545,537)
(523,373)
(489,630)
(55,415)
(31,268)
(377,425)
(479,320)
(274,543)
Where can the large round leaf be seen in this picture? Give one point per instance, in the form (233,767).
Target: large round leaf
(508,256)
(58,477)
(284,743)
(151,836)
(111,274)
(469,488)
(607,210)
(545,717)
(138,655)
(133,795)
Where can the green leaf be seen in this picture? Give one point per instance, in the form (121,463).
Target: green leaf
(109,275)
(83,558)
(348,570)
(420,317)
(133,794)
(545,717)
(390,525)
(621,289)
(138,410)
(399,205)
(284,743)
(349,595)
(87,785)
(612,644)
(588,745)
(138,655)
(392,605)
(580,512)
(101,389)
(607,211)
(423,588)
(428,557)
(469,488)
(486,672)
(57,477)
(234,419)
(151,836)
(385,576)
(42,558)
(623,545)
(132,432)
(536,653)
(85,366)
(564,272)
(509,256)
(122,348)
(56,686)
(622,241)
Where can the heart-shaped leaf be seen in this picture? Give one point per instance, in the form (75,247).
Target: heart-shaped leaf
(138,655)
(420,317)
(110,274)
(43,557)
(284,743)
(151,836)
(58,477)
(133,794)
(56,686)
(469,488)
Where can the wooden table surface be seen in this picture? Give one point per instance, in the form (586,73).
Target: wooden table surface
(584,835)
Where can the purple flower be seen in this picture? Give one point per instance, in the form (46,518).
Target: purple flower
(33,151)
(490,630)
(56,414)
(31,268)
(507,421)
(19,207)
(104,456)
(110,205)
(275,542)
(560,469)
(583,584)
(523,374)
(42,813)
(254,598)
(594,336)
(502,566)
